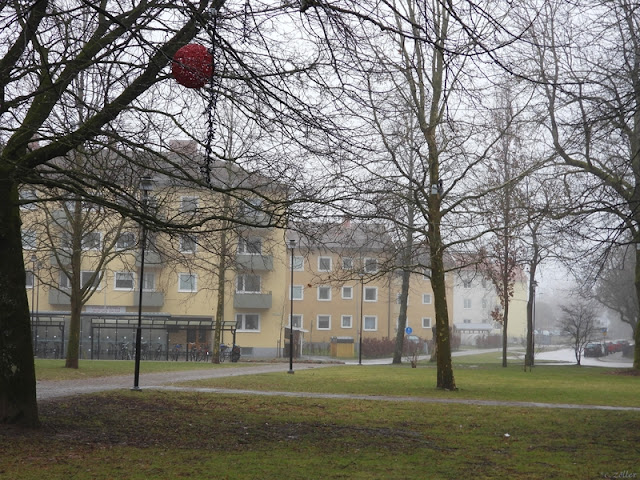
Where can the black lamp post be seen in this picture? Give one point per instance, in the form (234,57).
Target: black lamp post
(361,317)
(34,320)
(292,245)
(146,185)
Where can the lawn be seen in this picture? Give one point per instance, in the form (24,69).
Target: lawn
(546,384)
(161,434)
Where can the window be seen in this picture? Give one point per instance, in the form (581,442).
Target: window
(347,293)
(324,293)
(297,293)
(484,303)
(29,282)
(426,298)
(250,246)
(124,281)
(371,265)
(324,322)
(188,204)
(347,321)
(29,240)
(27,197)
(248,322)
(370,323)
(188,243)
(466,284)
(347,263)
(426,275)
(466,320)
(324,264)
(370,294)
(149,282)
(126,240)
(298,263)
(426,322)
(187,282)
(87,281)
(467,303)
(297,321)
(64,281)
(248,283)
(92,241)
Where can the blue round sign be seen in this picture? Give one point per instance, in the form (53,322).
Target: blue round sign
(408,330)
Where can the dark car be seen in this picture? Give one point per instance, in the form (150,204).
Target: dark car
(594,349)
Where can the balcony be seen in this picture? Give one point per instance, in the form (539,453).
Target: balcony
(258,301)
(255,263)
(151,258)
(149,299)
(56,297)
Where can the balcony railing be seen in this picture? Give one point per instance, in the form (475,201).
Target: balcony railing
(255,262)
(258,301)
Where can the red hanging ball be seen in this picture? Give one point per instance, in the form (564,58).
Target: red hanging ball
(192,66)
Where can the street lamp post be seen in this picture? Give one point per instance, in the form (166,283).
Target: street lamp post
(361,317)
(146,185)
(34,320)
(292,245)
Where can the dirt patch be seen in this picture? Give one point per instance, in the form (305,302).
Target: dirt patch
(630,372)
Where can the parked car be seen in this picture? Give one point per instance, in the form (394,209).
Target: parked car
(594,349)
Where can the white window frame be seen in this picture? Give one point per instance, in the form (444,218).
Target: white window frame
(241,283)
(375,321)
(29,280)
(324,317)
(121,274)
(426,322)
(193,276)
(348,324)
(86,246)
(185,240)
(350,289)
(297,289)
(89,273)
(29,240)
(323,288)
(297,316)
(427,299)
(320,261)
(298,263)
(250,246)
(371,289)
(123,245)
(64,282)
(241,322)
(466,303)
(347,263)
(190,201)
(368,263)
(145,282)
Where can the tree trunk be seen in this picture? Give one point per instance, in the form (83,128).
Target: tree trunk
(17,371)
(217,333)
(529,357)
(636,348)
(445,378)
(402,317)
(73,345)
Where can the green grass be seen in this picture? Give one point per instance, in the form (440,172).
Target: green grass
(152,434)
(547,384)
(47,369)
(159,434)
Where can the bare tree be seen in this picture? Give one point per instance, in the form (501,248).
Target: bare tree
(578,324)
(587,57)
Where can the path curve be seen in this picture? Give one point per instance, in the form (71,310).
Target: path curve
(50,390)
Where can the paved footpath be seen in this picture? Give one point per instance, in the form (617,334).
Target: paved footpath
(49,390)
